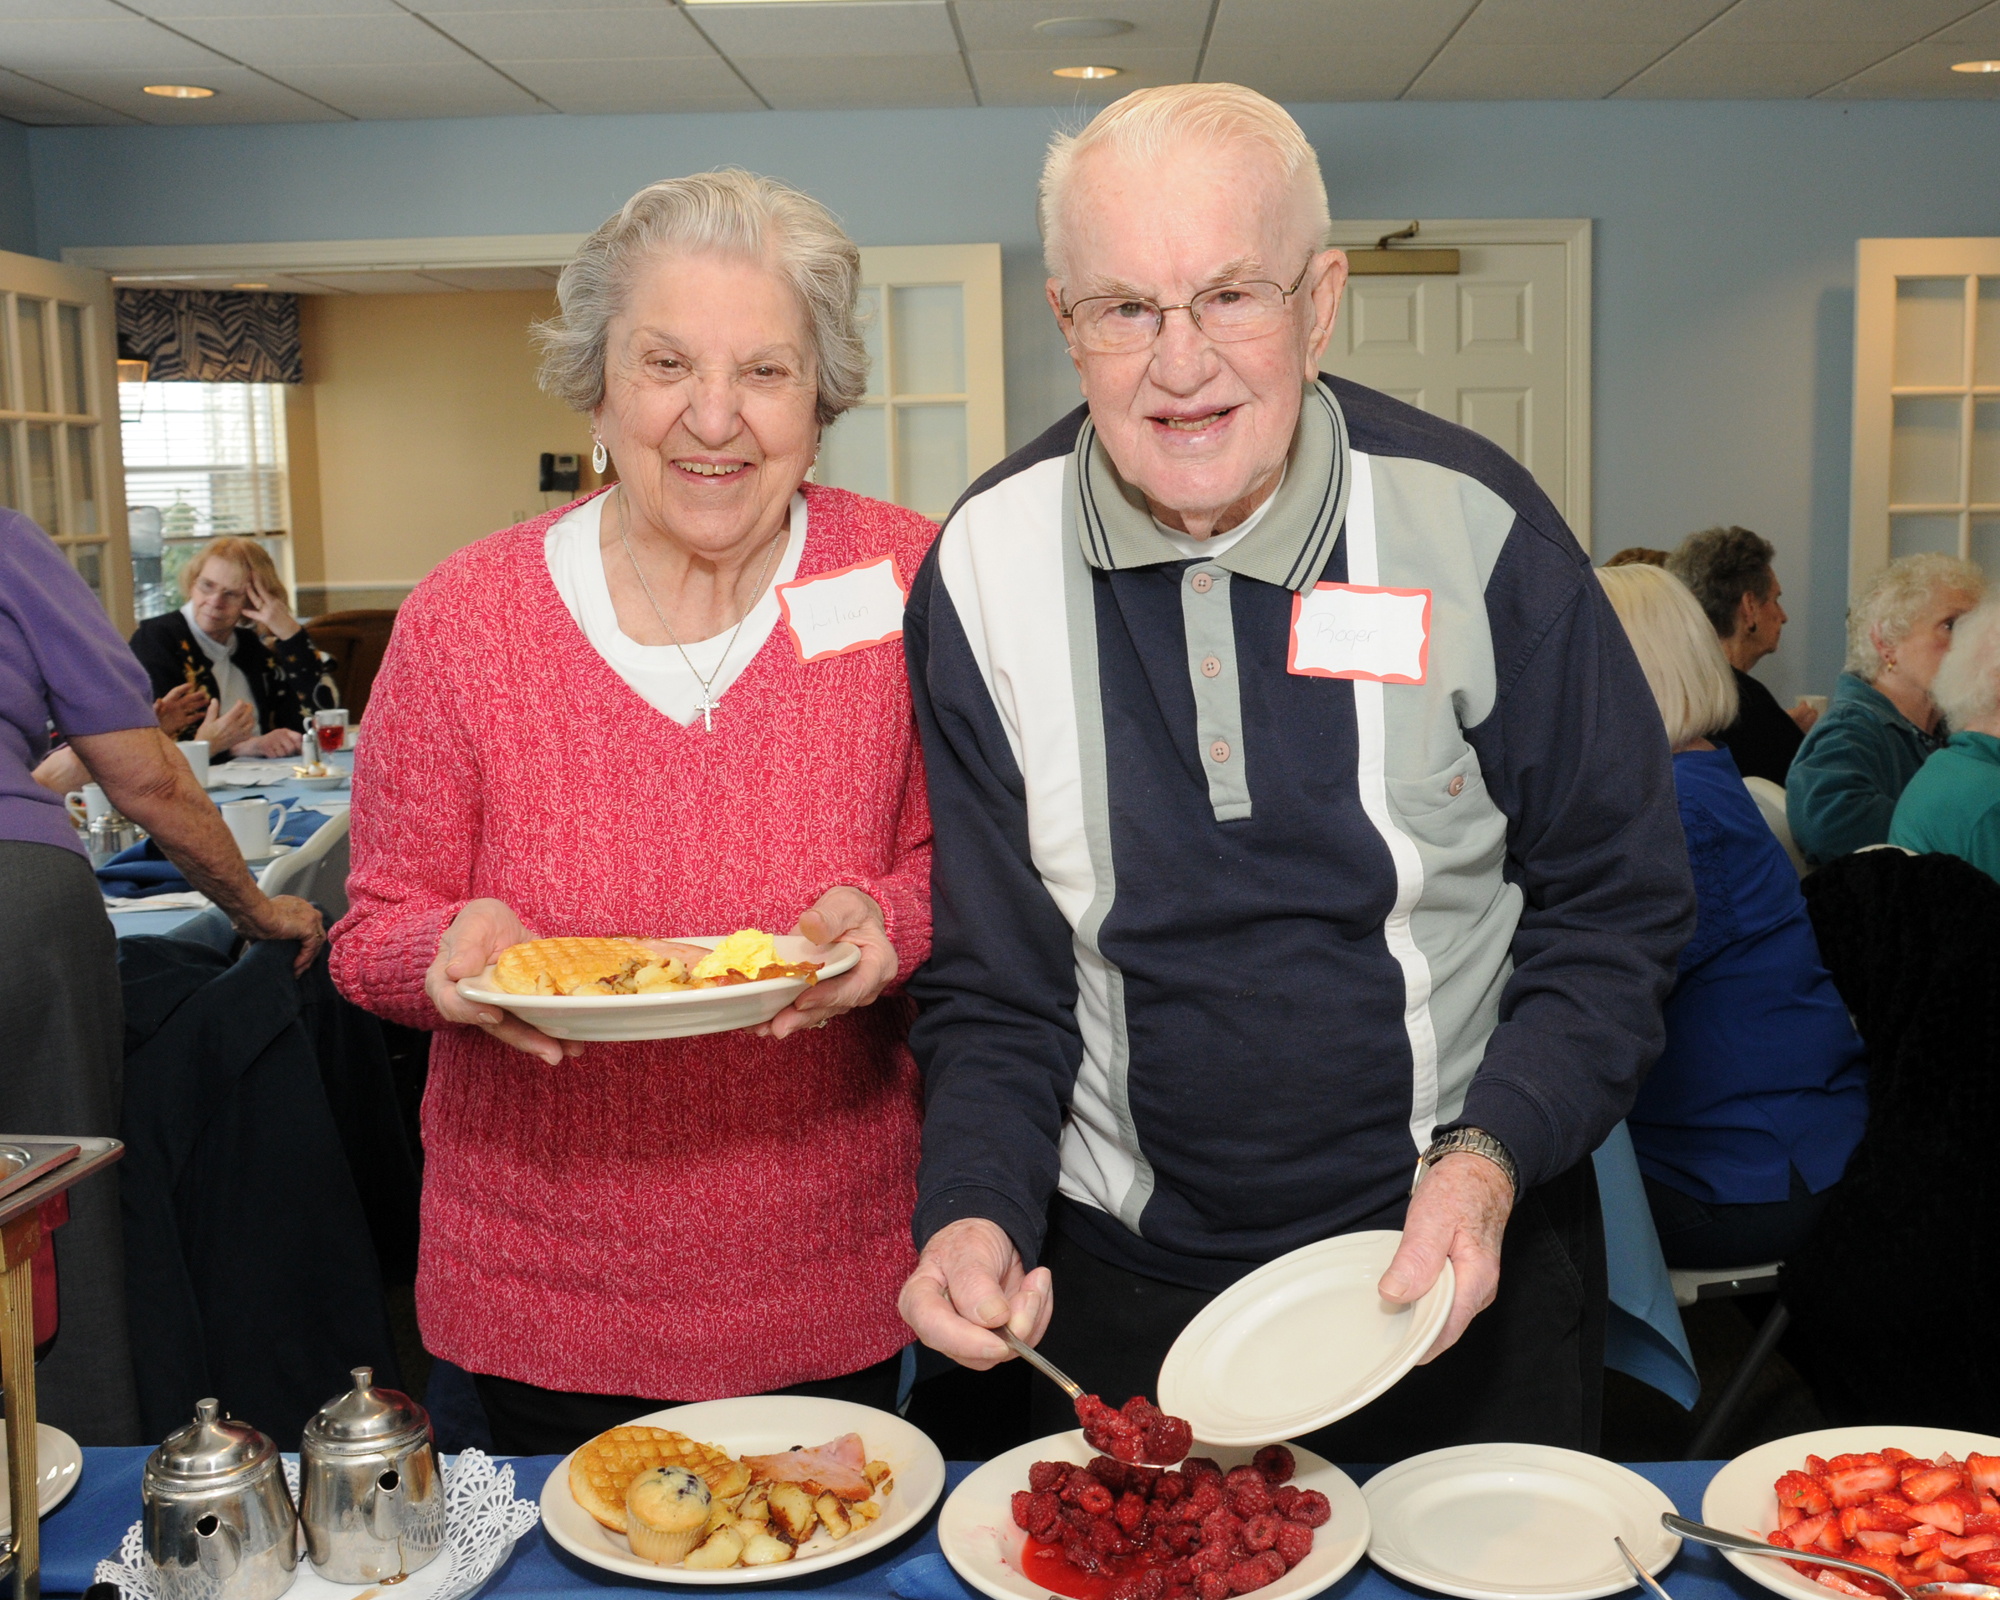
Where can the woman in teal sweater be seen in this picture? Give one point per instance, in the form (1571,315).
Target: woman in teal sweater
(1952,806)
(1882,722)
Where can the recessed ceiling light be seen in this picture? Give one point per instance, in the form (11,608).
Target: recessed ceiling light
(1087,72)
(249,286)
(1975,66)
(180,91)
(1081,27)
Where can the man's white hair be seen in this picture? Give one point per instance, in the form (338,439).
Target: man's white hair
(1967,686)
(1150,123)
(1893,600)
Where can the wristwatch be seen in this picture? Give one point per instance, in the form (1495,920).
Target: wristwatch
(1472,1141)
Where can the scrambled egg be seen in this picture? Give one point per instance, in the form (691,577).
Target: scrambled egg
(748,950)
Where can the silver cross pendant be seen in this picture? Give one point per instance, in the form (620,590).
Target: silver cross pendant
(708,710)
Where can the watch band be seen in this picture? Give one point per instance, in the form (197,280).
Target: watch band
(1469,1141)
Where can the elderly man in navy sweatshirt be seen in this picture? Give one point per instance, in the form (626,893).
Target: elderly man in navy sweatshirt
(1304,826)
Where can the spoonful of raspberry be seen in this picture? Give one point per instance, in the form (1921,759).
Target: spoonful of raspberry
(1138,1432)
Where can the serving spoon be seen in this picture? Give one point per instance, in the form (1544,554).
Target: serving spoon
(1041,1363)
(1701,1533)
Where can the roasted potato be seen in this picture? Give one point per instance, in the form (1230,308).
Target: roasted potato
(876,1471)
(721,1549)
(765,1550)
(833,1515)
(756,1505)
(863,1512)
(792,1509)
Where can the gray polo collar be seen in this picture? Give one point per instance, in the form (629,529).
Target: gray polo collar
(1288,548)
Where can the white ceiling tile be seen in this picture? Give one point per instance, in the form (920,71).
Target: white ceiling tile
(427,7)
(1805,21)
(1923,72)
(596,88)
(1981,27)
(1010,24)
(240,96)
(805,84)
(465,88)
(172,11)
(1750,69)
(25,100)
(276,43)
(37,47)
(878,29)
(1557,49)
(1328,49)
(65,10)
(1023,78)
(602,34)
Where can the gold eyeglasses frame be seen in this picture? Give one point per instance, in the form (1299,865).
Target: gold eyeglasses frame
(1160,312)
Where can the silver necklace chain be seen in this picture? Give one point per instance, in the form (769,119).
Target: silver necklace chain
(708,704)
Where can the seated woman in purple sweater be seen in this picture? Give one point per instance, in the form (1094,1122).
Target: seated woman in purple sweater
(1747,1121)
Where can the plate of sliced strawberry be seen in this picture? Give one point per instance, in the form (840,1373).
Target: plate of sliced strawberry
(1920,1504)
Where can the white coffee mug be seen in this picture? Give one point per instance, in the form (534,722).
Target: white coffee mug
(87,804)
(196,751)
(253,824)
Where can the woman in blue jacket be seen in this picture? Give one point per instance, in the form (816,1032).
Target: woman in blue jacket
(1747,1121)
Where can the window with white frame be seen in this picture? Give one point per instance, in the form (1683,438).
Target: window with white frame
(202,460)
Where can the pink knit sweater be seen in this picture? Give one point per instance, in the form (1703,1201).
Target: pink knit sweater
(687,1218)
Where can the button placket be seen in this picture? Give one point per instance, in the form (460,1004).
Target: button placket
(1209,624)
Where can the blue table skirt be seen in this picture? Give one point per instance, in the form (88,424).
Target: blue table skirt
(87,1527)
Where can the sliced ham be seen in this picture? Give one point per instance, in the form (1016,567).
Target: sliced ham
(830,1468)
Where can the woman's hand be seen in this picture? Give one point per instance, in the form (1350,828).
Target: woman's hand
(476,935)
(1804,714)
(840,915)
(224,730)
(278,742)
(268,610)
(180,708)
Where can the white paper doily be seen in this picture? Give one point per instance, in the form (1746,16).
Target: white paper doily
(483,1519)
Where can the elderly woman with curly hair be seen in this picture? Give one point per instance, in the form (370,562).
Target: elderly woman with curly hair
(1729,571)
(1882,723)
(1953,803)
(607,721)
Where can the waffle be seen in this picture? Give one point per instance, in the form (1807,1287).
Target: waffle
(582,966)
(601,1470)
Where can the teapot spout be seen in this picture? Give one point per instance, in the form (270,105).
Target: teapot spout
(218,1550)
(383,1506)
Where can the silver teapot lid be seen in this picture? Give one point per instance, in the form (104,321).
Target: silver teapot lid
(366,1417)
(210,1447)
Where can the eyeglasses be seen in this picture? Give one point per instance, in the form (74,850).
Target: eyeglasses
(1117,325)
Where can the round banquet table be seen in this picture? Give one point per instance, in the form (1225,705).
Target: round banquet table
(86,1528)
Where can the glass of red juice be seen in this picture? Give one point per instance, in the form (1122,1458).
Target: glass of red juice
(331,726)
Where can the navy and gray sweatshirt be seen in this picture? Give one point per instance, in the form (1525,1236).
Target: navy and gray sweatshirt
(1219,947)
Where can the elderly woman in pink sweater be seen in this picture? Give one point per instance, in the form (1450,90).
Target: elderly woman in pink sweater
(605,722)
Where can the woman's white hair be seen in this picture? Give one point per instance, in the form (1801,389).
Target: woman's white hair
(1677,649)
(1894,599)
(1967,686)
(1150,123)
(736,212)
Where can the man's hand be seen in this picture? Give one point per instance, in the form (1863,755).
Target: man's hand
(288,917)
(841,915)
(1459,1210)
(476,935)
(968,1281)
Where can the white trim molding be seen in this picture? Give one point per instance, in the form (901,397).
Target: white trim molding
(163,262)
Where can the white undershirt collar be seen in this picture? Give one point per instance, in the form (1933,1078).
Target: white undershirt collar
(1211,547)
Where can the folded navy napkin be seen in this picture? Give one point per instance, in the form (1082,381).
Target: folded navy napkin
(141,870)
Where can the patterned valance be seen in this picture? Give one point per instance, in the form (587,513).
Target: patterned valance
(211,335)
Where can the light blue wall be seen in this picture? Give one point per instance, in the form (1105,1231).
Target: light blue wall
(1724,269)
(17,200)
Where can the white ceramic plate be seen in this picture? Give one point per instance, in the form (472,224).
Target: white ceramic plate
(58,1463)
(335,781)
(1301,1342)
(1740,1499)
(1516,1522)
(977,1533)
(663,1016)
(764,1425)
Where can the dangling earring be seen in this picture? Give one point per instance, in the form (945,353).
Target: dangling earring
(597,457)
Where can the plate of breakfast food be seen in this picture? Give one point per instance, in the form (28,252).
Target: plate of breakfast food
(1059,1516)
(732,1491)
(1300,1342)
(646,989)
(1922,1505)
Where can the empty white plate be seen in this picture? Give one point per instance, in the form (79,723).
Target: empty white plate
(58,1465)
(1301,1342)
(1515,1522)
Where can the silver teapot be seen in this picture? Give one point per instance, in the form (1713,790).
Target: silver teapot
(218,1519)
(108,834)
(370,1495)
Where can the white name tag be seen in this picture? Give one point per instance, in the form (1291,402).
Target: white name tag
(1343,630)
(856,608)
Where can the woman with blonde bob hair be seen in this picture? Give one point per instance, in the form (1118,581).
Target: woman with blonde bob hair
(1748,1119)
(675,708)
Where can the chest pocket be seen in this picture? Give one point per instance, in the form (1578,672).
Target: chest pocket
(1459,832)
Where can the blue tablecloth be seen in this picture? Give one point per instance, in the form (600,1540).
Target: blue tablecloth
(87,1527)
